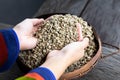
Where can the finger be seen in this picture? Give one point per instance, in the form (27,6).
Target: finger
(74,48)
(76,45)
(48,18)
(54,51)
(71,47)
(79,28)
(29,43)
(85,42)
(36,21)
(36,28)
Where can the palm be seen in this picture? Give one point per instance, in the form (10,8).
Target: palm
(25,31)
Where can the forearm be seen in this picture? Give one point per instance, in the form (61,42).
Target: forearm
(9,50)
(40,73)
(48,71)
(57,65)
(51,69)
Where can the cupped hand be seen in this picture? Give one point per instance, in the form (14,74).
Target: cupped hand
(58,60)
(25,31)
(73,51)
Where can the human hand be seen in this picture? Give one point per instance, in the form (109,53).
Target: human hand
(74,51)
(58,60)
(25,31)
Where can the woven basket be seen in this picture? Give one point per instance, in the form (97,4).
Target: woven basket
(76,73)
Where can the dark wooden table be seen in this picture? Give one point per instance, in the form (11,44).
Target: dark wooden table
(104,16)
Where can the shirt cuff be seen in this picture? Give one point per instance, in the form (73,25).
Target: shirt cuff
(13,48)
(44,72)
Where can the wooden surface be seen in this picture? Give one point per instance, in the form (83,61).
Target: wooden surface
(104,15)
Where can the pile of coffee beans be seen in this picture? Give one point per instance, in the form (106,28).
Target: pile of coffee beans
(56,32)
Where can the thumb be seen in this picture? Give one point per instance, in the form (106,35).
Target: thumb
(85,42)
(36,21)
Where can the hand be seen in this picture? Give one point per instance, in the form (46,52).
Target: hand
(58,60)
(74,51)
(25,31)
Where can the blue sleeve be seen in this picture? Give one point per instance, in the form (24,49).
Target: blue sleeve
(12,45)
(44,72)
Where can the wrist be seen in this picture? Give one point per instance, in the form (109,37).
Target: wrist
(18,36)
(42,73)
(57,64)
